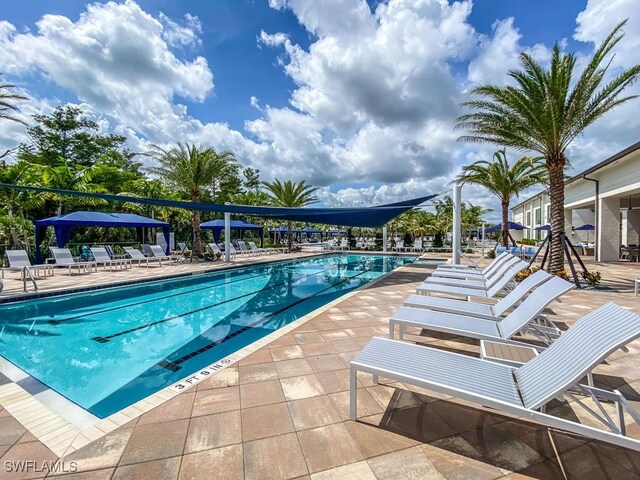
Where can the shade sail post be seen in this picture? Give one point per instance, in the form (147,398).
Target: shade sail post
(457,221)
(227,237)
(483,224)
(384,238)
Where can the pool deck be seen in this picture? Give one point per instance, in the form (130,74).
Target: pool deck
(282,411)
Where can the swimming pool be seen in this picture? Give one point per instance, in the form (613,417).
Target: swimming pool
(107,349)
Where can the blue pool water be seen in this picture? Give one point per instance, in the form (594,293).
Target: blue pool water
(107,349)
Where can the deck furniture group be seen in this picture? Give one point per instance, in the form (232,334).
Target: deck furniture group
(526,361)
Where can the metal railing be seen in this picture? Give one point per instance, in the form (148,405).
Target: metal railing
(26,272)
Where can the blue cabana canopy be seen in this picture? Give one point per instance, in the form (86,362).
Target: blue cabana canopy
(62,224)
(334,231)
(511,226)
(546,228)
(217,226)
(375,216)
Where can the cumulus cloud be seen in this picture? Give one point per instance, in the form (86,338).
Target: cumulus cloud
(376,95)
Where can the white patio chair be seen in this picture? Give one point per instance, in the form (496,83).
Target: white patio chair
(494,329)
(64,258)
(477,309)
(101,257)
(519,391)
(19,260)
(473,291)
(137,256)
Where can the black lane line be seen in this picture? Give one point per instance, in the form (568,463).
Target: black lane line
(105,310)
(105,339)
(174,365)
(112,309)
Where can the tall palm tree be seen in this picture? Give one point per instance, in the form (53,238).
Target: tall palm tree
(7,108)
(290,194)
(545,110)
(504,180)
(190,169)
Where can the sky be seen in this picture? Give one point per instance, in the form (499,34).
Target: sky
(358,98)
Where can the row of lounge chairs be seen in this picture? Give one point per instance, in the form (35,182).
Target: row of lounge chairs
(519,388)
(19,260)
(243,250)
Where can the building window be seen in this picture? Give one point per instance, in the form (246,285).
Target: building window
(538,216)
(549,213)
(528,218)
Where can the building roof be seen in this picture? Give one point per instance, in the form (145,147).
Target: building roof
(596,167)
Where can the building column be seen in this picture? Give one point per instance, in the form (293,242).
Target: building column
(457,223)
(384,238)
(608,241)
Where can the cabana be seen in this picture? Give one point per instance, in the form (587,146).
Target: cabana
(311,231)
(217,227)
(282,231)
(336,231)
(62,225)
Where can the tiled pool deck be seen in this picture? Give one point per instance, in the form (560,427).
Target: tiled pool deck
(282,411)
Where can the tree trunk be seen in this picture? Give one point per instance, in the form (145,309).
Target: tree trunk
(195,225)
(505,223)
(289,239)
(556,195)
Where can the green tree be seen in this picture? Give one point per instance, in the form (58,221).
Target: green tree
(290,194)
(505,181)
(191,170)
(545,110)
(68,136)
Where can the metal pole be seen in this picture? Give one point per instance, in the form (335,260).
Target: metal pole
(457,221)
(227,237)
(483,224)
(384,238)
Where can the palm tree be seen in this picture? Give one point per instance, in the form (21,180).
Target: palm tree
(290,194)
(191,170)
(545,111)
(504,180)
(7,108)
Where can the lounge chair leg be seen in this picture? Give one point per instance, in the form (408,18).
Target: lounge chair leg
(402,330)
(391,329)
(375,379)
(353,393)
(590,379)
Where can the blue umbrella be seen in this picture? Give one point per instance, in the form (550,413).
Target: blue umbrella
(587,227)
(546,228)
(511,226)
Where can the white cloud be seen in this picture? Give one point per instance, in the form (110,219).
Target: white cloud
(374,103)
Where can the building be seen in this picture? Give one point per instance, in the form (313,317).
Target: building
(606,195)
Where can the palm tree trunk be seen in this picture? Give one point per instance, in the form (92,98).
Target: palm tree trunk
(12,228)
(289,239)
(195,225)
(505,223)
(556,194)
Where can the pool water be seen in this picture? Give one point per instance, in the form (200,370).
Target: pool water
(106,349)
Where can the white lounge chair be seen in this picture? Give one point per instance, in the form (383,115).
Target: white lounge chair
(465,280)
(520,391)
(19,260)
(495,329)
(454,287)
(214,250)
(137,256)
(244,250)
(158,252)
(475,309)
(258,250)
(485,271)
(64,258)
(146,250)
(472,291)
(472,273)
(101,257)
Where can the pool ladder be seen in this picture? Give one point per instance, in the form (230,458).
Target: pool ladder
(26,272)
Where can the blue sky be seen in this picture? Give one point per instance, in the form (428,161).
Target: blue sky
(358,98)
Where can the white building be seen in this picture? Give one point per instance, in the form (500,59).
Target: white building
(606,195)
